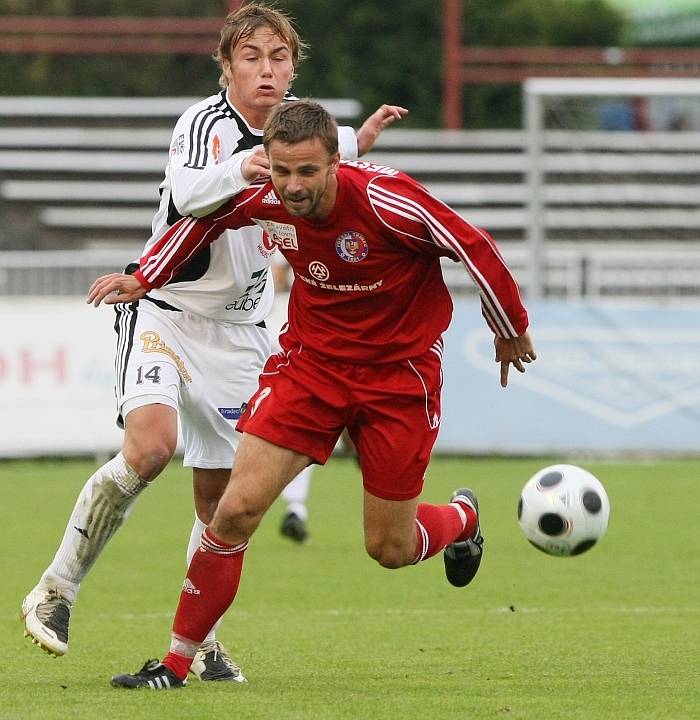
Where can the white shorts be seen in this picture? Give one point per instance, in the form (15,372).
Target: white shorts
(204,369)
(277,318)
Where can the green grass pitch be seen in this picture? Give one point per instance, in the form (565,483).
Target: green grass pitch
(324,633)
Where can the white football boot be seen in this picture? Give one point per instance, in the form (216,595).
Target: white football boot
(46,616)
(212,662)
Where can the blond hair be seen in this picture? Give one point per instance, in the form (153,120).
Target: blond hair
(242,23)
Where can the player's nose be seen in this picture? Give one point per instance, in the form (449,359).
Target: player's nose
(294,184)
(266,67)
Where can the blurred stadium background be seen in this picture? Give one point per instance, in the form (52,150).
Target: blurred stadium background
(570,129)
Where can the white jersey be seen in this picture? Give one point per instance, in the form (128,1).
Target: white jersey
(228,280)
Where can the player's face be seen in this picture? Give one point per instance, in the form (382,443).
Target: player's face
(258,74)
(304,175)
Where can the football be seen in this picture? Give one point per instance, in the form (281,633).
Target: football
(563,510)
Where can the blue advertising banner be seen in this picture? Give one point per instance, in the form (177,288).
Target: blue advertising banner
(609,379)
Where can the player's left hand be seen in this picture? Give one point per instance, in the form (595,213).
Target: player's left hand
(372,127)
(514,351)
(115,288)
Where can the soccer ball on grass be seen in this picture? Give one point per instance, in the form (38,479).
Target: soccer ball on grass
(563,510)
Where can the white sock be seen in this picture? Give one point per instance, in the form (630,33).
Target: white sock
(296,493)
(198,528)
(102,507)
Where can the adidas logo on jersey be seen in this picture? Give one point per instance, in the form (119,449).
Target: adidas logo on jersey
(271,199)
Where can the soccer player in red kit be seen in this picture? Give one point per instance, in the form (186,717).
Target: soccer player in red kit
(362,350)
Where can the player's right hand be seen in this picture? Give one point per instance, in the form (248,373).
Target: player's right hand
(115,288)
(256,164)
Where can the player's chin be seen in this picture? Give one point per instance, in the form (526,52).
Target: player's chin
(298,208)
(269,98)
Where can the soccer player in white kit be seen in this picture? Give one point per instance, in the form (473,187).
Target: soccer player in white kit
(194,347)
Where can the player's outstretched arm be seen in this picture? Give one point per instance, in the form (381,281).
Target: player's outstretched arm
(115,288)
(515,351)
(372,127)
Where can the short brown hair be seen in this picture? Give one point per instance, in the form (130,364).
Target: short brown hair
(294,122)
(242,23)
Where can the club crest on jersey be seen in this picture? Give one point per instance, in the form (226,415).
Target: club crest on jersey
(351,246)
(178,146)
(216,149)
(279,234)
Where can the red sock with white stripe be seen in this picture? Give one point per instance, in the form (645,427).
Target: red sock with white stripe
(209,589)
(440,525)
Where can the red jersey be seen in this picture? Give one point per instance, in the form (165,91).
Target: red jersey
(369,285)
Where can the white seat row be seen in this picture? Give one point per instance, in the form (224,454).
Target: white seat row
(493,219)
(608,162)
(149,108)
(656,267)
(419,164)
(659,268)
(76,161)
(106,191)
(518,140)
(456,194)
(604,193)
(80,135)
(96,218)
(85,138)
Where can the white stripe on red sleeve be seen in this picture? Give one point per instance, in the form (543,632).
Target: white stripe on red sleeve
(486,267)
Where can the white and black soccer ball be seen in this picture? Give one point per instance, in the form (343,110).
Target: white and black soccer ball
(563,510)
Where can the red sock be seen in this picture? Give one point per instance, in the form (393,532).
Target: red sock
(209,589)
(440,525)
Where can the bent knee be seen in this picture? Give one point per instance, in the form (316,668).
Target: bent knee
(390,555)
(238,517)
(149,460)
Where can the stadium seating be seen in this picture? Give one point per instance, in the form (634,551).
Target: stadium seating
(622,210)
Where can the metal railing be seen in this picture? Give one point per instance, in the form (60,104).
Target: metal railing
(603,270)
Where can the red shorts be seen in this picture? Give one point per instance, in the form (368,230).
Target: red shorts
(391,410)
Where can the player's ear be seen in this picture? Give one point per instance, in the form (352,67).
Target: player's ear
(226,68)
(335,163)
